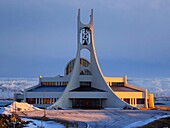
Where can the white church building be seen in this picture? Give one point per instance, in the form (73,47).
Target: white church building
(83,85)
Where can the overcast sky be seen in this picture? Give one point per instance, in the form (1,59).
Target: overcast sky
(38,37)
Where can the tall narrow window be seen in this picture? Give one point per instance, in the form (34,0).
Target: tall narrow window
(38,100)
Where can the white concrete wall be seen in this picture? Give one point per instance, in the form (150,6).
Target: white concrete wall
(55,79)
(85,78)
(89,95)
(43,94)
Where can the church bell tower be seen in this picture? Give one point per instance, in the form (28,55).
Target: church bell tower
(87,88)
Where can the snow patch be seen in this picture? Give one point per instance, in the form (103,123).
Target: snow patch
(46,124)
(142,123)
(18,107)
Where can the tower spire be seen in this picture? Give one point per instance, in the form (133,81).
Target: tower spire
(91,16)
(85,40)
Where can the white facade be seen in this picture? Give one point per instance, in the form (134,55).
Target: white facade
(84,85)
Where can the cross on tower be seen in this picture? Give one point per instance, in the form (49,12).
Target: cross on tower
(85,36)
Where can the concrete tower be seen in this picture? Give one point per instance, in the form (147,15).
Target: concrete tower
(98,89)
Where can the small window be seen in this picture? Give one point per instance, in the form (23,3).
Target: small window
(131,100)
(117,84)
(85,83)
(46,100)
(38,100)
(140,101)
(48,83)
(127,100)
(31,100)
(41,100)
(53,100)
(134,101)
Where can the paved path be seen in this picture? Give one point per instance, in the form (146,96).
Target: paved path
(102,118)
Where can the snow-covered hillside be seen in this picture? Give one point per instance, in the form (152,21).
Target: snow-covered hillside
(8,86)
(158,86)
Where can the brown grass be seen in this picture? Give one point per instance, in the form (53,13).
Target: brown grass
(157,108)
(161,123)
(163,108)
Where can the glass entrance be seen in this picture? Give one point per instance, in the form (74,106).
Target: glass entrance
(87,103)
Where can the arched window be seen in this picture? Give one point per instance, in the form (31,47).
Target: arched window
(84,62)
(70,65)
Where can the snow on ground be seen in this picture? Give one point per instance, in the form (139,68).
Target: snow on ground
(22,107)
(147,121)
(46,124)
(104,118)
(18,107)
(94,118)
